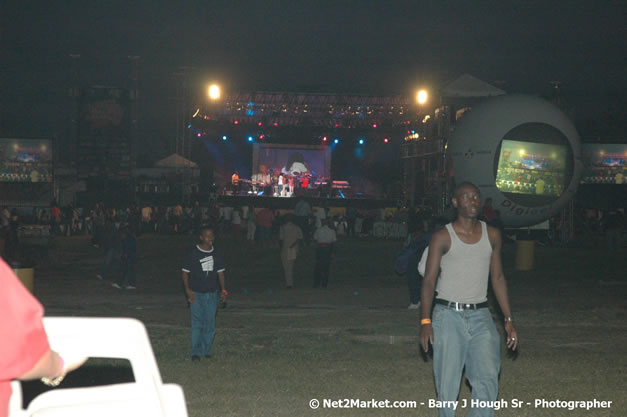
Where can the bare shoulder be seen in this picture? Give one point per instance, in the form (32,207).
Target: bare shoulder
(441,239)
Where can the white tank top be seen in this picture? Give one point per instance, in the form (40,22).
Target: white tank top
(465,269)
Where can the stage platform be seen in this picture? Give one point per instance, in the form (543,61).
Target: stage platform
(287,203)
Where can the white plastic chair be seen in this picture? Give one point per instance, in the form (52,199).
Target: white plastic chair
(104,338)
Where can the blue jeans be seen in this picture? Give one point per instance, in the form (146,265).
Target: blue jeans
(465,339)
(203,312)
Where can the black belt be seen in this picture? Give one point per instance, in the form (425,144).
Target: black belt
(461,306)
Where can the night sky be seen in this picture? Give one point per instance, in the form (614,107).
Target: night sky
(365,47)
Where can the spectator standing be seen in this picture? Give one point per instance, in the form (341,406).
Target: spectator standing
(203,276)
(128,259)
(325,238)
(251,226)
(110,244)
(290,236)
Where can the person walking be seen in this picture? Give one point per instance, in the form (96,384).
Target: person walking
(110,244)
(128,259)
(461,329)
(326,238)
(203,277)
(290,236)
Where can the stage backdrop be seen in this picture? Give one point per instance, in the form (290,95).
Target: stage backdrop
(294,159)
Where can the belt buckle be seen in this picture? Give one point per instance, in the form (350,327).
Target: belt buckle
(459,307)
(469,306)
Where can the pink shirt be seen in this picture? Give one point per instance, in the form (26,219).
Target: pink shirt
(22,335)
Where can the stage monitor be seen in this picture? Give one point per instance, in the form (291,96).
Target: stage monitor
(604,163)
(531,168)
(294,160)
(25,160)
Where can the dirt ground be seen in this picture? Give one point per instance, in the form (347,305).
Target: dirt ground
(278,349)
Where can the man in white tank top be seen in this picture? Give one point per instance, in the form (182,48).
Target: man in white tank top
(464,254)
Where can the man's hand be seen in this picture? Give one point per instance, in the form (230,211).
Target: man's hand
(512,336)
(191,297)
(426,336)
(223,297)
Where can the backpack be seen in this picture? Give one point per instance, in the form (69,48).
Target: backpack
(412,251)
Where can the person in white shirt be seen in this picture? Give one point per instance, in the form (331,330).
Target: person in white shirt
(326,238)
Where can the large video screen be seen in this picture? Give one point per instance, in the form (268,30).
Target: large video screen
(531,168)
(314,161)
(604,163)
(25,160)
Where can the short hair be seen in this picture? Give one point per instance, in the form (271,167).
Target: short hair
(206,227)
(462,185)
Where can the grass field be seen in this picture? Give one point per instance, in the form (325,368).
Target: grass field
(277,349)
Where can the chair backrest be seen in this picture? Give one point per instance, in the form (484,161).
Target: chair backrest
(119,338)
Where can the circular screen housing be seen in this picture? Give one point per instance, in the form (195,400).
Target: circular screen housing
(523,153)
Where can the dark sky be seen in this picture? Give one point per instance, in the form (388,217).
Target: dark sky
(370,47)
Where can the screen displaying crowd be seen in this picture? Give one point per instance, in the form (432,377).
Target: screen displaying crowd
(531,168)
(604,163)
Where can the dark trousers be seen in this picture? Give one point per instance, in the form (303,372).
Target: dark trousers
(127,272)
(414,282)
(303,223)
(323,266)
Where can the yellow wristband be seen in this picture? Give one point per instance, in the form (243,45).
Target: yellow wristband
(425,321)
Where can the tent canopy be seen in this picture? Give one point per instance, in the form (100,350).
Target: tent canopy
(175,161)
(468,86)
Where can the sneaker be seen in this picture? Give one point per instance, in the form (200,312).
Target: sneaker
(195,358)
(99,277)
(414,306)
(116,285)
(130,287)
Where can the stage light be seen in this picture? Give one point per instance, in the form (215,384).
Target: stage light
(336,141)
(386,140)
(250,138)
(422,96)
(199,135)
(361,141)
(259,124)
(189,126)
(276,124)
(224,137)
(324,138)
(261,137)
(196,113)
(236,122)
(374,126)
(214,92)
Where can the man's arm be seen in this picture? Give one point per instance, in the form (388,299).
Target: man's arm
(190,294)
(438,246)
(499,285)
(223,292)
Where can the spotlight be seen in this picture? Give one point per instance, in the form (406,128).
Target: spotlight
(324,138)
(236,122)
(361,141)
(224,137)
(336,141)
(250,138)
(374,125)
(275,124)
(259,124)
(386,140)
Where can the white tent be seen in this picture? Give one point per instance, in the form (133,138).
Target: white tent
(175,161)
(468,86)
